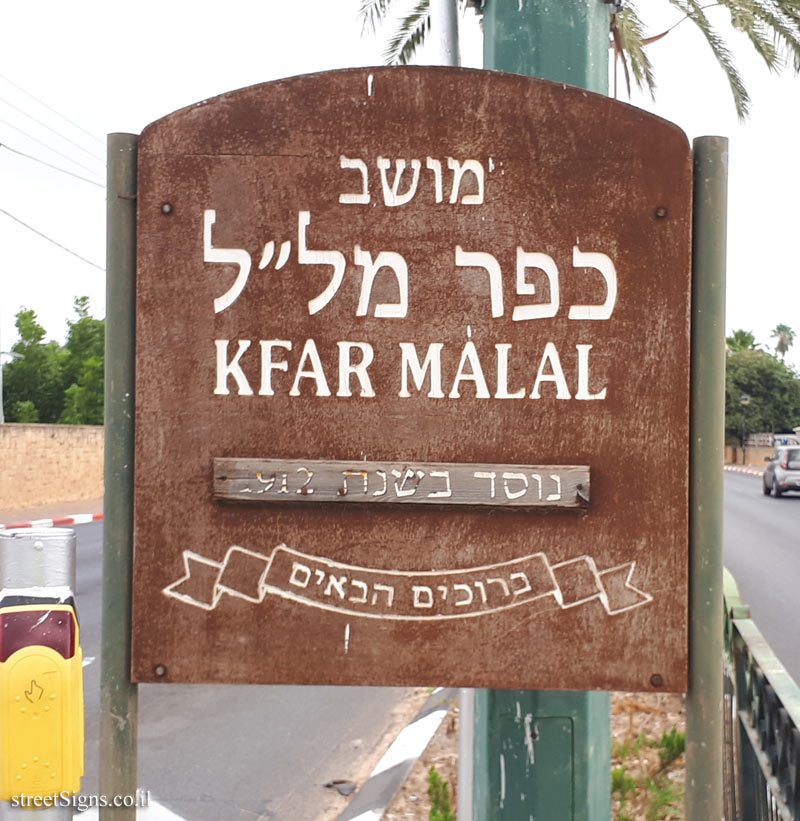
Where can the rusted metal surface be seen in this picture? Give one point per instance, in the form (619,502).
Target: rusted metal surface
(411,483)
(518,295)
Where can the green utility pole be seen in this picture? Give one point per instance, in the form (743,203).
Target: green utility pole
(565,41)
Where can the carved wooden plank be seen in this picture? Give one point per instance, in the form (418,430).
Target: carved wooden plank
(419,483)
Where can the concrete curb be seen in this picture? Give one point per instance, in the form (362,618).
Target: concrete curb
(61,521)
(750,471)
(377,792)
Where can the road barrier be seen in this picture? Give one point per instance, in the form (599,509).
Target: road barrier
(41,674)
(762,722)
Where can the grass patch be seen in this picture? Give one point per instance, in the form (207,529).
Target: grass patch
(666,799)
(629,747)
(671,747)
(439,794)
(646,782)
(622,783)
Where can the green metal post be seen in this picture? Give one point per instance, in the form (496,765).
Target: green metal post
(704,717)
(119,707)
(542,754)
(567,735)
(562,40)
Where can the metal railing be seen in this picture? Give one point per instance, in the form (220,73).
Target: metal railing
(762,723)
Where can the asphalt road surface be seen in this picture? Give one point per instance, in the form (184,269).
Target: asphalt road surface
(762,550)
(233,752)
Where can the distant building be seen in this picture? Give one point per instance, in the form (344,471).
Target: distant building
(768,440)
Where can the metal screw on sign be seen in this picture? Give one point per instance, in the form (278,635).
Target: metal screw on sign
(41,675)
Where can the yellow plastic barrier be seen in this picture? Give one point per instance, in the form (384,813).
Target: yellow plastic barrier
(41,700)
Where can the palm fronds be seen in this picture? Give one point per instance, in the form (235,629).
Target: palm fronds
(772,26)
(372,13)
(409,36)
(696,13)
(628,41)
(410,33)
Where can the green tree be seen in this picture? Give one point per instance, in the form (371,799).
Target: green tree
(26,412)
(773,388)
(741,340)
(49,383)
(83,368)
(772,27)
(33,384)
(785,336)
(83,403)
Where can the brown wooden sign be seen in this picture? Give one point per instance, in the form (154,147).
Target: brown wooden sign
(390,323)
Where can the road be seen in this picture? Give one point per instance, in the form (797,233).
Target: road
(762,550)
(234,752)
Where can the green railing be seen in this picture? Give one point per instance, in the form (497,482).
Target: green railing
(762,722)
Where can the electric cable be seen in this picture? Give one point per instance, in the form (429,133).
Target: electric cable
(50,108)
(49,239)
(51,129)
(49,147)
(50,165)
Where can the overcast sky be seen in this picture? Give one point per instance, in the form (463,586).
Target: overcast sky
(110,71)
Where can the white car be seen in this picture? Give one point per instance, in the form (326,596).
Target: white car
(782,472)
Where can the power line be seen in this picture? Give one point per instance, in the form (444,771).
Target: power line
(51,129)
(49,165)
(50,108)
(49,239)
(49,147)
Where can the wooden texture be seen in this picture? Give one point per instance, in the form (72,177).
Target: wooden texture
(421,265)
(281,481)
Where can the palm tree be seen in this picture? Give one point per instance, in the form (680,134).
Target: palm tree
(741,341)
(785,336)
(772,26)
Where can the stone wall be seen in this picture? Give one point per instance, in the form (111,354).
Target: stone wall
(45,464)
(753,456)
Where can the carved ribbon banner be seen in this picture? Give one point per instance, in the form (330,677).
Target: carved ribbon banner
(385,594)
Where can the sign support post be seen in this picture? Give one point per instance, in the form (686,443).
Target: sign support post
(566,42)
(119,710)
(704,705)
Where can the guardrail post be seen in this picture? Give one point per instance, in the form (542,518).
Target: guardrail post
(41,675)
(749,769)
(118,697)
(704,717)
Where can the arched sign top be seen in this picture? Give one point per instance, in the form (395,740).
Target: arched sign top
(366,97)
(412,376)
